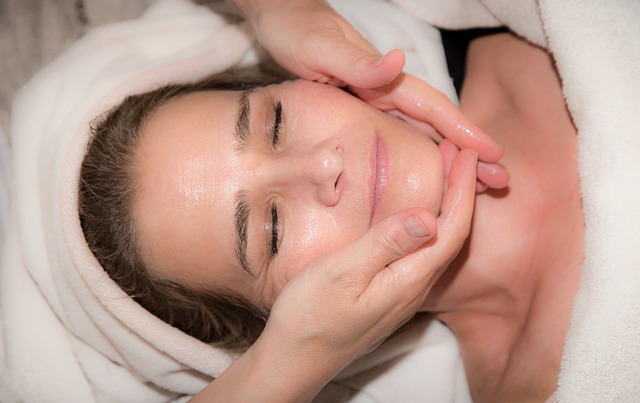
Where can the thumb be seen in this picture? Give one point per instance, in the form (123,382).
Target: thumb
(357,66)
(389,240)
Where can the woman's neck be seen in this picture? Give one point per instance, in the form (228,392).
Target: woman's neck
(508,295)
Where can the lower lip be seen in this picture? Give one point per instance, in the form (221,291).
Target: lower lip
(381,170)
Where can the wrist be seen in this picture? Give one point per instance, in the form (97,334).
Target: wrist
(299,367)
(274,369)
(253,10)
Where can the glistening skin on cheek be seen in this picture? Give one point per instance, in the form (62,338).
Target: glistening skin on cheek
(337,167)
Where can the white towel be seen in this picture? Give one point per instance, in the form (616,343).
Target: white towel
(69,334)
(5,185)
(597,52)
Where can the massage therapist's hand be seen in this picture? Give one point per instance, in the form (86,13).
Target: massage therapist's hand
(345,303)
(420,104)
(313,41)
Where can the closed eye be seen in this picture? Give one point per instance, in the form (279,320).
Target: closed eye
(275,134)
(275,227)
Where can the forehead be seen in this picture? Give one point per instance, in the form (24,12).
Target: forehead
(186,168)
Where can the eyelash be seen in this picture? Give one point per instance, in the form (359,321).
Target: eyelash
(275,227)
(275,134)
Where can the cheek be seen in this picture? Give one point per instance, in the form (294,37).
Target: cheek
(323,108)
(313,236)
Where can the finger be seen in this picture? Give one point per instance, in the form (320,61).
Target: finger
(421,125)
(481,186)
(423,102)
(356,65)
(420,101)
(388,240)
(385,69)
(449,152)
(324,79)
(494,176)
(458,201)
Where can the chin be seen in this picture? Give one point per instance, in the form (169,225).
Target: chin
(416,178)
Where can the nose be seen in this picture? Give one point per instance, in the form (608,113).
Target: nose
(316,172)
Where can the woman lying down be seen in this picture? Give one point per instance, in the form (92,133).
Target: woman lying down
(215,205)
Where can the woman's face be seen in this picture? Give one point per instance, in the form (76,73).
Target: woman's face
(242,191)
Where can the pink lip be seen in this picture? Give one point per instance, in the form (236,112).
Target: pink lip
(379,176)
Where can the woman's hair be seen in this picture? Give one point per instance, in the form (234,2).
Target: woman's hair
(106,195)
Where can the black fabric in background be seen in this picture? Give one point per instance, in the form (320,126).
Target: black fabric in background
(456,44)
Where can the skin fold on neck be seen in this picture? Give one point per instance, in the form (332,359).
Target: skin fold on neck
(508,295)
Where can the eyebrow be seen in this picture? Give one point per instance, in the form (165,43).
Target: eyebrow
(241,200)
(241,220)
(242,122)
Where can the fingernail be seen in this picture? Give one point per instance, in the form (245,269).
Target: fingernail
(415,227)
(381,60)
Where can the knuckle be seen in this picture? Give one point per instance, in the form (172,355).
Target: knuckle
(460,231)
(410,298)
(390,244)
(320,36)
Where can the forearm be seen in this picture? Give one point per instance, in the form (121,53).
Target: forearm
(253,9)
(273,370)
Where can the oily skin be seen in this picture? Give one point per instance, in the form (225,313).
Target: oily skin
(320,176)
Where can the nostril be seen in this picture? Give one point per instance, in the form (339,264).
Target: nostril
(335,185)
